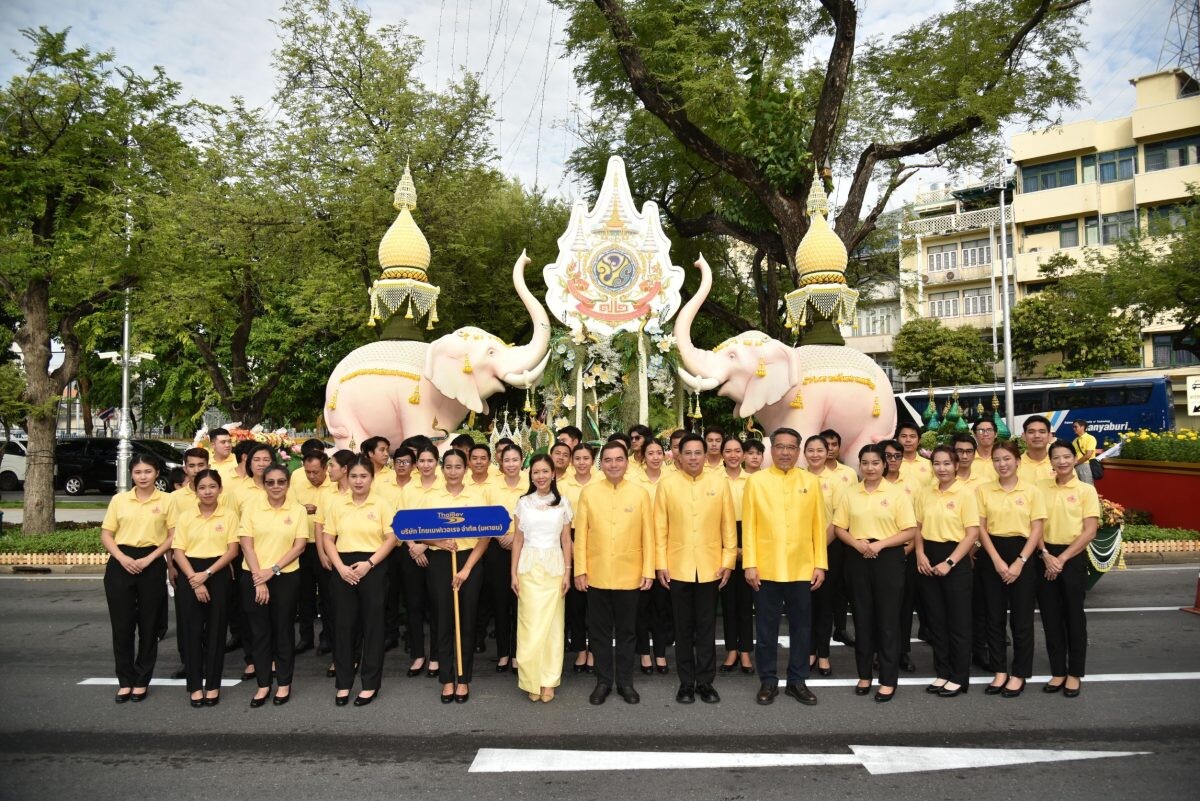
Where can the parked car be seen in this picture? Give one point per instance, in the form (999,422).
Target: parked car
(12,465)
(90,463)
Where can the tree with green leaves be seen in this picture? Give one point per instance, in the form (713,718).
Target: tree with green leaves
(86,143)
(940,356)
(722,120)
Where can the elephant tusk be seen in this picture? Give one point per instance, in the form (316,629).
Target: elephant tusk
(527,378)
(697,383)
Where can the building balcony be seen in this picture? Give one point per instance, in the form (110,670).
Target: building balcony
(1164,186)
(869,343)
(959,274)
(980,321)
(978,220)
(1056,204)
(935,197)
(1058,141)
(1177,117)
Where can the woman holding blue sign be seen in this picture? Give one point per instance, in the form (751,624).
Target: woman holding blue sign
(541,570)
(360,527)
(447,573)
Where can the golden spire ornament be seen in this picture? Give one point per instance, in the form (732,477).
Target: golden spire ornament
(821,261)
(404,256)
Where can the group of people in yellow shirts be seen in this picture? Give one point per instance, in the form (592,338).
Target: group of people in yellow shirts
(611,554)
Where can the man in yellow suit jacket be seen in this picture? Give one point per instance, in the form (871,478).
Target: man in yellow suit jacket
(695,542)
(614,560)
(784,555)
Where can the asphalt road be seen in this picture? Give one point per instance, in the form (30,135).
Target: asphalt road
(65,740)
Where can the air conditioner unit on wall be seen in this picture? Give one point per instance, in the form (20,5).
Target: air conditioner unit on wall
(950,275)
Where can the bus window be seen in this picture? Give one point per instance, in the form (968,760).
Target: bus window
(1030,402)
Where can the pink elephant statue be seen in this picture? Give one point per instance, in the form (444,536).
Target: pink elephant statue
(809,388)
(399,388)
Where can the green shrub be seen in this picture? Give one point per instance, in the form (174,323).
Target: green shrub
(86,540)
(1135,533)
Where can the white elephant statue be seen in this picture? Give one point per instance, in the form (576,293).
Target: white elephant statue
(809,389)
(399,388)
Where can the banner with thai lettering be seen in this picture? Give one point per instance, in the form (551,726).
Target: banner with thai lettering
(451,523)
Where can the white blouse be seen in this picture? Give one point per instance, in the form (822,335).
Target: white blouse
(541,530)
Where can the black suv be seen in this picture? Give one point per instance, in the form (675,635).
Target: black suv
(90,463)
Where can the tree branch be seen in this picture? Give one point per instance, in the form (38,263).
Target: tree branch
(837,73)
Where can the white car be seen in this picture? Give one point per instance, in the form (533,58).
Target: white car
(12,465)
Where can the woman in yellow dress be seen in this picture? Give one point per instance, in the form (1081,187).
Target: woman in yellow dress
(359,539)
(1073,516)
(654,616)
(737,599)
(273,532)
(205,543)
(446,574)
(541,571)
(134,533)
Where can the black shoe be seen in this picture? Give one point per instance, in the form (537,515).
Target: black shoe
(995,689)
(341,700)
(137,698)
(1007,693)
(1069,693)
(197,703)
(447,699)
(392,643)
(686,694)
(629,694)
(825,671)
(255,703)
(599,694)
(462,699)
(589,668)
(363,700)
(304,646)
(767,692)
(708,693)
(216,699)
(180,674)
(934,689)
(501,668)
(433,672)
(330,672)
(799,690)
(248,674)
(232,644)
(906,663)
(578,668)
(880,698)
(481,648)
(1053,688)
(862,690)
(416,671)
(281,700)
(722,668)
(663,669)
(946,692)
(841,636)
(748,670)
(122,698)
(648,669)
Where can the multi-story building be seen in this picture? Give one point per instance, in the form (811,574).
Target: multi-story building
(1083,185)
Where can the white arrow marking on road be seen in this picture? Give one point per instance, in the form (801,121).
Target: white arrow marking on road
(877,759)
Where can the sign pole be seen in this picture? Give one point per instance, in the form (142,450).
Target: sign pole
(457,620)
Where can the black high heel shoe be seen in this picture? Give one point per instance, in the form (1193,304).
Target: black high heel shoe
(502,668)
(256,702)
(946,692)
(122,697)
(862,690)
(331,672)
(1069,693)
(432,672)
(139,697)
(197,702)
(216,699)
(417,671)
(1053,688)
(341,700)
(825,671)
(648,669)
(748,669)
(363,700)
(662,669)
(1007,693)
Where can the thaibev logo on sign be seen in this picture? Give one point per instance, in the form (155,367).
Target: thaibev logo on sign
(439,524)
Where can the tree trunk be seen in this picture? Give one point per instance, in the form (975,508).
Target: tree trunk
(85,404)
(42,391)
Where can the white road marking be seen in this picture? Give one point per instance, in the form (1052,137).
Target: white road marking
(915,681)
(155,682)
(877,759)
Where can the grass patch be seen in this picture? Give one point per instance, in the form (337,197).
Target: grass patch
(59,505)
(1137,533)
(75,540)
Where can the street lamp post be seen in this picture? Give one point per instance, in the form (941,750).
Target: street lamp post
(125,426)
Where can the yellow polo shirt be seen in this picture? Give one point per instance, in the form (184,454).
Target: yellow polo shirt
(358,527)
(1033,472)
(737,488)
(185,498)
(974,482)
(412,492)
(1010,513)
(1084,443)
(385,478)
(784,525)
(137,524)
(242,488)
(918,472)
(302,491)
(984,468)
(570,488)
(945,516)
(201,537)
(614,535)
(227,469)
(471,495)
(833,489)
(506,496)
(649,485)
(695,531)
(877,514)
(843,474)
(330,495)
(274,531)
(1066,507)
(910,488)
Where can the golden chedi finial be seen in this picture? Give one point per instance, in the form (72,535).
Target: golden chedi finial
(821,257)
(404,251)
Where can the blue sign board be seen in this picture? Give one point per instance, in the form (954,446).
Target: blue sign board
(451,523)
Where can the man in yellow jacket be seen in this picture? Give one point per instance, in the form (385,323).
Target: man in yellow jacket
(614,560)
(695,543)
(784,555)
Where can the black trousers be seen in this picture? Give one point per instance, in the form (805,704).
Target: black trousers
(576,616)
(358,613)
(395,592)
(418,601)
(909,603)
(1063,619)
(979,608)
(307,592)
(876,590)
(612,615)
(1012,604)
(238,626)
(770,602)
(946,605)
(694,604)
(737,612)
(438,576)
(272,626)
(654,621)
(823,601)
(136,607)
(324,604)
(497,586)
(201,626)
(840,602)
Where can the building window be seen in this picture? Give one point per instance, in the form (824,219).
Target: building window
(943,257)
(1165,354)
(1068,231)
(1165,219)
(1115,227)
(943,304)
(1172,153)
(1088,168)
(875,321)
(976,252)
(1117,165)
(977,301)
(1091,231)
(1048,176)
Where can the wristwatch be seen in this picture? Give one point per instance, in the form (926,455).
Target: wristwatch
(208,572)
(949,561)
(1022,557)
(275,569)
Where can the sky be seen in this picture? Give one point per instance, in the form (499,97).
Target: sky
(221,48)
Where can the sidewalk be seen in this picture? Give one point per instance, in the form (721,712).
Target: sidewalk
(17,516)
